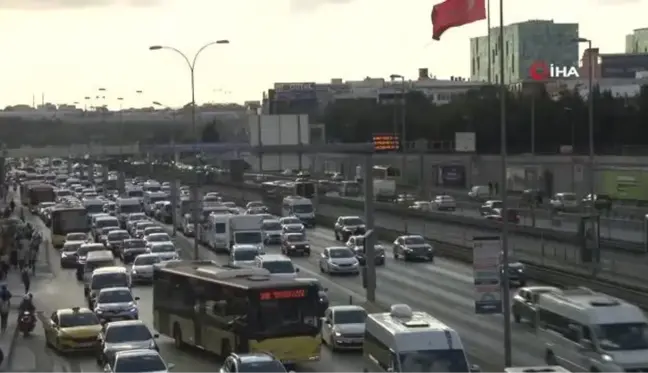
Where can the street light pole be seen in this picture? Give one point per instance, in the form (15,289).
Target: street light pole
(192,67)
(590,124)
(506,299)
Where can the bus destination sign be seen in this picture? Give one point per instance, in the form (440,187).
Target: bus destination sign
(283,294)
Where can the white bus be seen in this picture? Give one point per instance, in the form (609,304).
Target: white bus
(217,232)
(405,341)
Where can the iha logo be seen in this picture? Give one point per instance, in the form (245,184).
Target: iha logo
(540,70)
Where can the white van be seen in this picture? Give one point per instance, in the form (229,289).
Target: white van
(150,198)
(300,207)
(125,207)
(106,277)
(217,232)
(94,260)
(406,341)
(278,265)
(586,331)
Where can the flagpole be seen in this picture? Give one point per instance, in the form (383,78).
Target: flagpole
(488,33)
(506,300)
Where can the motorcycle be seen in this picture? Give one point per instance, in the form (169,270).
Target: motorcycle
(27,323)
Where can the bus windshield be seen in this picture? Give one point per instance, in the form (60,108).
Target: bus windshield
(68,221)
(94,209)
(286,312)
(130,209)
(451,360)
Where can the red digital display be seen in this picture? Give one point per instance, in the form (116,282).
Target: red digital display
(386,142)
(283,294)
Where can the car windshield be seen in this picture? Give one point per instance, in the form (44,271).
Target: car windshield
(108,280)
(622,336)
(71,248)
(129,209)
(135,217)
(248,238)
(127,333)
(349,317)
(157,237)
(103,223)
(433,361)
(128,244)
(414,241)
(146,260)
(295,238)
(142,363)
(291,221)
(262,366)
(303,209)
(115,296)
(163,249)
(280,266)
(341,253)
(118,236)
(151,230)
(272,226)
(76,237)
(245,254)
(254,204)
(352,221)
(78,319)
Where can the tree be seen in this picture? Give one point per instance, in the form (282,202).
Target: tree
(210,133)
(561,118)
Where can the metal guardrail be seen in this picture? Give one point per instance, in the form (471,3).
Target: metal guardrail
(544,268)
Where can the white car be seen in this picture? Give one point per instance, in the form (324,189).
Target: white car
(142,269)
(445,202)
(144,360)
(339,260)
(164,250)
(343,327)
(158,238)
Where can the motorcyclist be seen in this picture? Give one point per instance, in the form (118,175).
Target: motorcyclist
(27,305)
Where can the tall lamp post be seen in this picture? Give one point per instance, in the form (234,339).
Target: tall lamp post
(403,107)
(590,125)
(192,70)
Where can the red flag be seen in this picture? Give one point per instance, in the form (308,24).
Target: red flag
(455,13)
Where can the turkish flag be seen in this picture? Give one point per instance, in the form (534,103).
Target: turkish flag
(455,13)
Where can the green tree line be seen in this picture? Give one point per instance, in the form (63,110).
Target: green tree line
(559,120)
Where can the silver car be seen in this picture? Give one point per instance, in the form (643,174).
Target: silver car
(116,303)
(244,255)
(343,327)
(164,250)
(339,260)
(142,269)
(125,336)
(292,225)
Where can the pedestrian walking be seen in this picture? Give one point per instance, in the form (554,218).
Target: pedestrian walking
(5,303)
(33,256)
(26,280)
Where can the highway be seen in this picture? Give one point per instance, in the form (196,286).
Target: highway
(615,265)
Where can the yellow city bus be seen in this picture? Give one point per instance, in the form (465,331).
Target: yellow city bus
(224,309)
(68,218)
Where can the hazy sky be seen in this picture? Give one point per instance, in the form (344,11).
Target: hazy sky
(70,48)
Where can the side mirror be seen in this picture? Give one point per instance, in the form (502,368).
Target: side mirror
(156,336)
(296,270)
(586,345)
(475,368)
(137,298)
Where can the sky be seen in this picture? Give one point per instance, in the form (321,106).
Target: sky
(69,49)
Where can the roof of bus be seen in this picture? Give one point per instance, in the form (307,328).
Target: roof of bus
(241,277)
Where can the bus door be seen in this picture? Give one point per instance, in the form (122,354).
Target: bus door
(199,321)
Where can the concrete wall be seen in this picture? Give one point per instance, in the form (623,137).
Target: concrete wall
(551,173)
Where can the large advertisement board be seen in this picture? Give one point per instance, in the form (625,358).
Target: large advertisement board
(623,65)
(452,176)
(625,184)
(486,274)
(295,91)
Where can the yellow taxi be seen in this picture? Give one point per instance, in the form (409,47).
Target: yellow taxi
(72,329)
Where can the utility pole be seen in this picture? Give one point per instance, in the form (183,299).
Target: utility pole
(370,255)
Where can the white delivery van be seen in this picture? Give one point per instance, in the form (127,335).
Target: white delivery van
(299,207)
(406,341)
(246,230)
(586,331)
(125,207)
(217,232)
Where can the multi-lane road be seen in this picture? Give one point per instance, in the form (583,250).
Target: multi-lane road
(444,289)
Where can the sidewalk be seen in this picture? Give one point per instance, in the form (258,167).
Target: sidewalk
(7,339)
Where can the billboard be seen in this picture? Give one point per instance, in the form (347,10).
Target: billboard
(386,142)
(452,176)
(625,184)
(623,65)
(295,91)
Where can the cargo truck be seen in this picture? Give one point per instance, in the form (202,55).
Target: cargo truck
(246,230)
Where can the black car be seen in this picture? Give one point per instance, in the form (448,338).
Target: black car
(131,248)
(516,272)
(347,226)
(379,258)
(295,244)
(413,247)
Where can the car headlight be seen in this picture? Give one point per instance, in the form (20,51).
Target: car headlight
(133,310)
(407,249)
(98,310)
(338,334)
(607,358)
(134,272)
(430,249)
(292,246)
(307,246)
